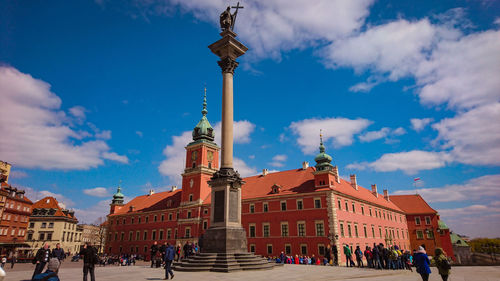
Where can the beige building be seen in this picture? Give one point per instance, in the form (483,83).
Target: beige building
(4,171)
(52,224)
(93,234)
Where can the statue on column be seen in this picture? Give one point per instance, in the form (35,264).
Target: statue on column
(227,19)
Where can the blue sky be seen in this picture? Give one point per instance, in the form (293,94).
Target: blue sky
(97,92)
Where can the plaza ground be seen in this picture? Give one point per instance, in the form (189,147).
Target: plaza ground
(73,271)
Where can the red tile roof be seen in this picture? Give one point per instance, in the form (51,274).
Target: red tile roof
(412,204)
(302,181)
(50,202)
(153,202)
(6,186)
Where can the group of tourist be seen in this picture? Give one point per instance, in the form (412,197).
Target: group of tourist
(52,259)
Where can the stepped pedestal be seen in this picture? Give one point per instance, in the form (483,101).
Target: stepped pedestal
(223,262)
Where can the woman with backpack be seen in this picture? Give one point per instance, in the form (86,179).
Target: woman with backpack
(442,263)
(422,263)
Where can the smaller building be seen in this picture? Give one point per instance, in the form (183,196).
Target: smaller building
(461,249)
(424,224)
(15,210)
(52,224)
(93,234)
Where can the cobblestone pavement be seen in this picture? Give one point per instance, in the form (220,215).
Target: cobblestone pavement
(73,271)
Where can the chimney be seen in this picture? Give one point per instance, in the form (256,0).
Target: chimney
(336,173)
(265,172)
(374,190)
(151,192)
(386,194)
(305,165)
(353,182)
(174,188)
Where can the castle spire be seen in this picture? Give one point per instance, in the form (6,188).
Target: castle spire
(118,196)
(205,111)
(322,159)
(203,130)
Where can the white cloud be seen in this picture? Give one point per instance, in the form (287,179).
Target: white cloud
(115,157)
(78,112)
(36,133)
(16,174)
(105,134)
(243,168)
(36,195)
(339,131)
(97,192)
(92,213)
(172,166)
(473,137)
(419,124)
(270,27)
(278,160)
(409,162)
(382,133)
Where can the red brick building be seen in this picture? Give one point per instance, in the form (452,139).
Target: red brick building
(299,211)
(424,224)
(14,217)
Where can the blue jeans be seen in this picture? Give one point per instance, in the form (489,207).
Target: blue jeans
(168,269)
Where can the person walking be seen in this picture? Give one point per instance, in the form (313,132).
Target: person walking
(51,273)
(89,254)
(168,258)
(359,256)
(369,257)
(348,256)
(178,252)
(422,263)
(13,260)
(58,253)
(376,257)
(41,259)
(442,263)
(328,254)
(154,251)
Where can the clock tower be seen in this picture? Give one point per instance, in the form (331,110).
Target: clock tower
(202,161)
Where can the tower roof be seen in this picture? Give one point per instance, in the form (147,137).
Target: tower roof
(118,196)
(322,159)
(203,130)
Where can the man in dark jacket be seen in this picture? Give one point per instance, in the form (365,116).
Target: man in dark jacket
(168,258)
(154,251)
(58,252)
(41,258)
(88,252)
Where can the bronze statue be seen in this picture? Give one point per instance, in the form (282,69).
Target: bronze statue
(227,19)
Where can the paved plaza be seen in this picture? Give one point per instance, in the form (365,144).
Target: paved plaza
(73,271)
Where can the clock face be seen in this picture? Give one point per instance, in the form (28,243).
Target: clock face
(210,155)
(194,155)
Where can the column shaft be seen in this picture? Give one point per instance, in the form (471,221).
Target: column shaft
(227,120)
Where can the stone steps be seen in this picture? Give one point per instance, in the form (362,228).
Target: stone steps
(223,262)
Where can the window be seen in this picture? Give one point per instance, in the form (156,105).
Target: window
(205,211)
(44,225)
(122,236)
(190,197)
(356,230)
(265,230)
(301,228)
(349,232)
(145,235)
(362,210)
(370,210)
(41,236)
(147,219)
(373,231)
(288,249)
(252,248)
(430,234)
(346,206)
(342,234)
(284,229)
(153,235)
(317,203)
(145,249)
(130,235)
(169,233)
(283,205)
(175,234)
(251,230)
(340,205)
(51,225)
(269,249)
(205,224)
(252,208)
(30,237)
(32,224)
(132,220)
(417,220)
(420,234)
(353,209)
(139,220)
(320,229)
(321,249)
(169,217)
(138,235)
(162,218)
(155,218)
(189,214)
(124,221)
(427,220)
(266,207)
(49,236)
(303,249)
(364,229)
(300,205)
(188,232)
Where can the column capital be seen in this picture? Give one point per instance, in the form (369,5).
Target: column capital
(228,65)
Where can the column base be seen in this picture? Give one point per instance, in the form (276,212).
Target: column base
(224,240)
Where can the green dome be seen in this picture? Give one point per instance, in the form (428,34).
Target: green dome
(203,130)
(118,196)
(323,159)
